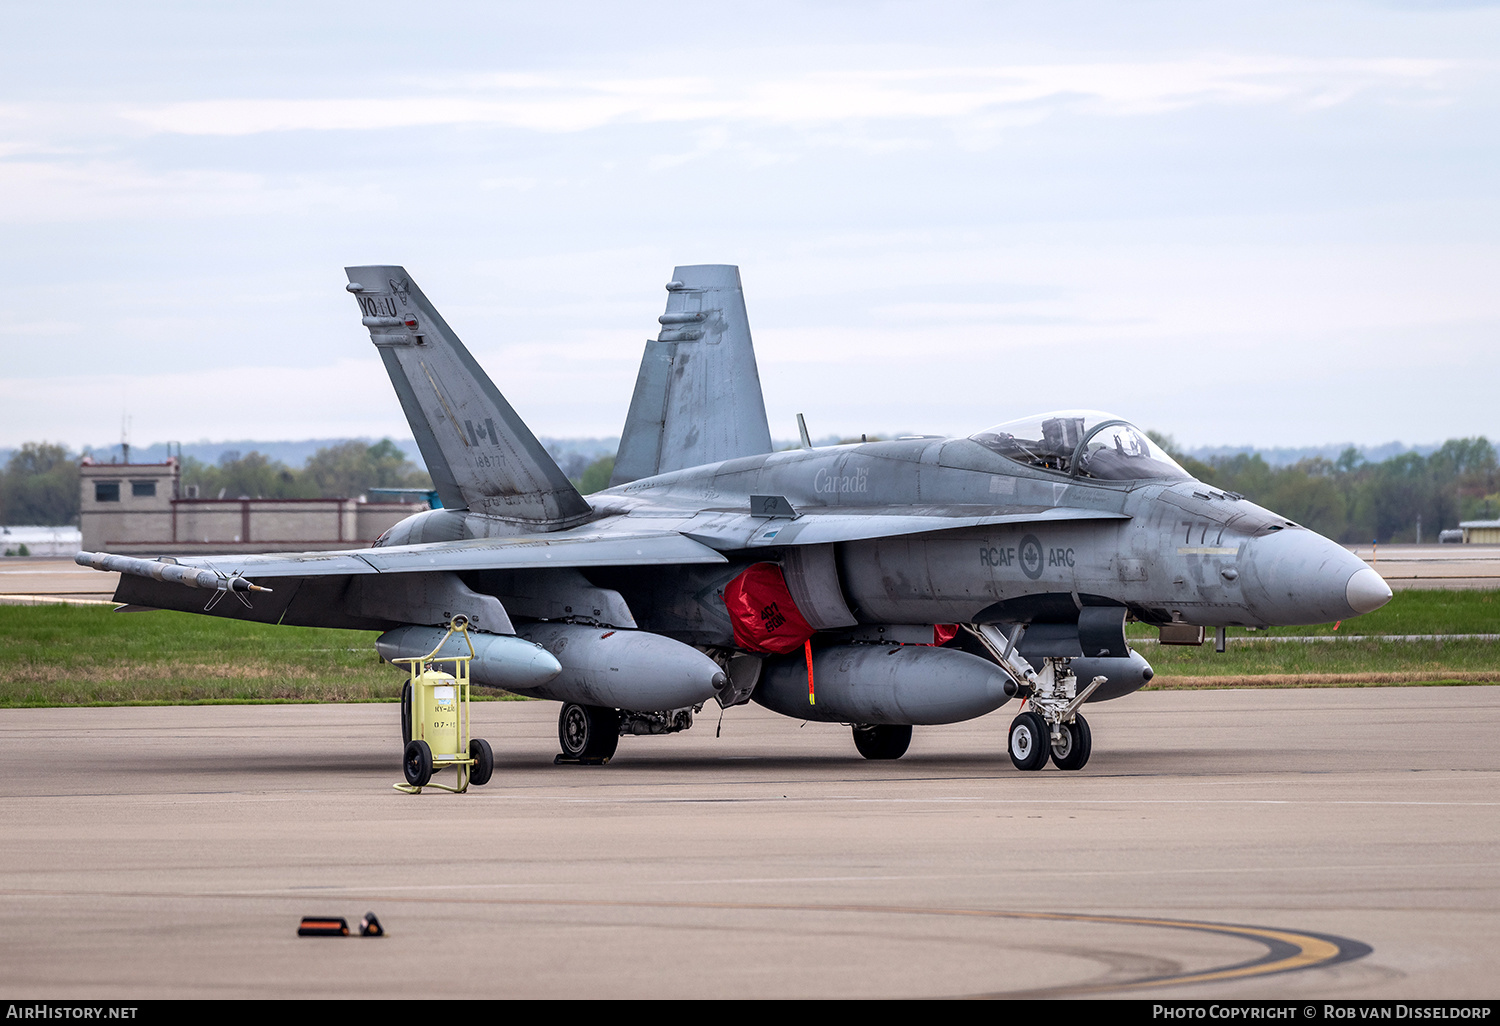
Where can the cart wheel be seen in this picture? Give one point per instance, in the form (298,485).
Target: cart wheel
(418,763)
(479,773)
(406,713)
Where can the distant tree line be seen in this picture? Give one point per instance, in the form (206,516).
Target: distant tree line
(39,486)
(346,470)
(1351,501)
(40,482)
(595,476)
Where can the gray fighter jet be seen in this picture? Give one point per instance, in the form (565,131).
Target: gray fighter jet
(882,584)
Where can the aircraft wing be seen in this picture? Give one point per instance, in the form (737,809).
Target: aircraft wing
(313,588)
(821,526)
(561,549)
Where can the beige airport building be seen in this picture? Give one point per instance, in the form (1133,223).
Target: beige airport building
(1481,532)
(138,509)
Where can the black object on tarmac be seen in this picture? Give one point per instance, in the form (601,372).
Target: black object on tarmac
(369,926)
(323,926)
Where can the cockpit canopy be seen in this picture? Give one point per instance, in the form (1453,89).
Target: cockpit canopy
(1083,443)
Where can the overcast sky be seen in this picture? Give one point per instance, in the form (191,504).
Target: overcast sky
(1265,223)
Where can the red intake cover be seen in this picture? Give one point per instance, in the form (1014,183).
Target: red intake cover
(765,617)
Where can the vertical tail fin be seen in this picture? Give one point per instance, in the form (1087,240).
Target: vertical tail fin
(480,454)
(697,398)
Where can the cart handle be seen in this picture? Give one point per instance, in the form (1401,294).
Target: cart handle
(459,624)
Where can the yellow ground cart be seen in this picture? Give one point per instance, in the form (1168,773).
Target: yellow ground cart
(435,721)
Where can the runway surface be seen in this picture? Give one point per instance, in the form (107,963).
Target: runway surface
(1287,843)
(1456,567)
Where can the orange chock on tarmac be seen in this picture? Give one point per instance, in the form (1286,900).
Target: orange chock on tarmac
(323,926)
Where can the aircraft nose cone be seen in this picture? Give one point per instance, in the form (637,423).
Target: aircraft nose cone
(1367,591)
(1298,577)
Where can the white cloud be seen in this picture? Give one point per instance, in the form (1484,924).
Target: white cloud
(571,103)
(60,190)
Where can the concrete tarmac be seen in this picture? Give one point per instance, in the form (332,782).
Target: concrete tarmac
(170,852)
(30,580)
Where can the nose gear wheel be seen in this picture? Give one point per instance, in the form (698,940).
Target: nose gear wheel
(1073,744)
(1028,741)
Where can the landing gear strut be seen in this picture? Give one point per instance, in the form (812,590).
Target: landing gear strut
(1051,725)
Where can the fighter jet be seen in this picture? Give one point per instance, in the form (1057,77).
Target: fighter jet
(882,584)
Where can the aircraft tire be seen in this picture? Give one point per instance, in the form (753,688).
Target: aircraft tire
(418,764)
(406,713)
(484,766)
(588,733)
(1077,744)
(1028,741)
(883,741)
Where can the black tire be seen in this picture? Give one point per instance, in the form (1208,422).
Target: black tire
(480,772)
(406,713)
(1076,744)
(1028,741)
(882,741)
(418,763)
(588,733)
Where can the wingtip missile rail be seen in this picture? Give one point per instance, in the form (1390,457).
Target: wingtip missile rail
(174,573)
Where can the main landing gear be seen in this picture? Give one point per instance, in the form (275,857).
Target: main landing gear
(589,734)
(881,740)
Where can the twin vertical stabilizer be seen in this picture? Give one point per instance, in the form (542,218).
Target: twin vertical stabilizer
(697,398)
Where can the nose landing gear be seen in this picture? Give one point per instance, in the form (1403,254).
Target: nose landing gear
(1053,725)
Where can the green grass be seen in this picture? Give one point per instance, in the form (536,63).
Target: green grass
(1373,660)
(91,655)
(1408,612)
